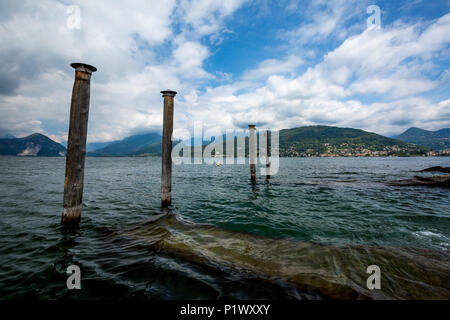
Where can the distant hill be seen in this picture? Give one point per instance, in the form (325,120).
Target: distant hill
(33,145)
(149,143)
(444,132)
(7,136)
(334,141)
(436,140)
(299,142)
(327,141)
(296,142)
(91,146)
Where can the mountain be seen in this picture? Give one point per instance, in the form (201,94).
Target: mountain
(149,143)
(33,145)
(334,141)
(7,136)
(93,146)
(299,142)
(437,140)
(326,141)
(444,132)
(302,141)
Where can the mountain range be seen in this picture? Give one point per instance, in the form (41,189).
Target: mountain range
(334,141)
(302,141)
(436,140)
(6,136)
(33,145)
(148,143)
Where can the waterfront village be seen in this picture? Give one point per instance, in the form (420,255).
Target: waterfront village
(355,150)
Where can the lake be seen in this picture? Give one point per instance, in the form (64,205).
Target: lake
(309,233)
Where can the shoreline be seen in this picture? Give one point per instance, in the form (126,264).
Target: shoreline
(159,156)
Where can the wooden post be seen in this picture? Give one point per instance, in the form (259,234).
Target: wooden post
(252,152)
(166,170)
(76,144)
(266,136)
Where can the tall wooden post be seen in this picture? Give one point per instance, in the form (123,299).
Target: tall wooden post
(76,144)
(252,152)
(166,170)
(266,136)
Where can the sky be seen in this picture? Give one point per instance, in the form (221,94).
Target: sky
(276,64)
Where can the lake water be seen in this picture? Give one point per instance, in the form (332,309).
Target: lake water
(309,233)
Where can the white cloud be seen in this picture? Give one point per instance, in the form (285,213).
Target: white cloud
(188,59)
(391,65)
(121,41)
(325,19)
(372,80)
(272,67)
(206,17)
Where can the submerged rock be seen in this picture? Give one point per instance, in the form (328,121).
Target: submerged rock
(331,271)
(442,181)
(437,169)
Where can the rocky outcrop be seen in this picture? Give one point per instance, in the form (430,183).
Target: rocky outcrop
(437,169)
(442,181)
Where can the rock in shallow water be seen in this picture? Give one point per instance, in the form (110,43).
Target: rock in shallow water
(437,169)
(442,181)
(334,272)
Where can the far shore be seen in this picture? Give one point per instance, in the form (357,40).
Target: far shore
(284,157)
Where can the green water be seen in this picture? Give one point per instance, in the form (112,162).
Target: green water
(337,214)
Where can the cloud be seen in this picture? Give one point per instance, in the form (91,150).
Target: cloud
(324,19)
(188,59)
(390,67)
(135,48)
(273,67)
(379,80)
(206,17)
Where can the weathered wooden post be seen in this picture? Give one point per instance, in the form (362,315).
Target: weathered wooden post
(252,152)
(266,137)
(166,171)
(76,144)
